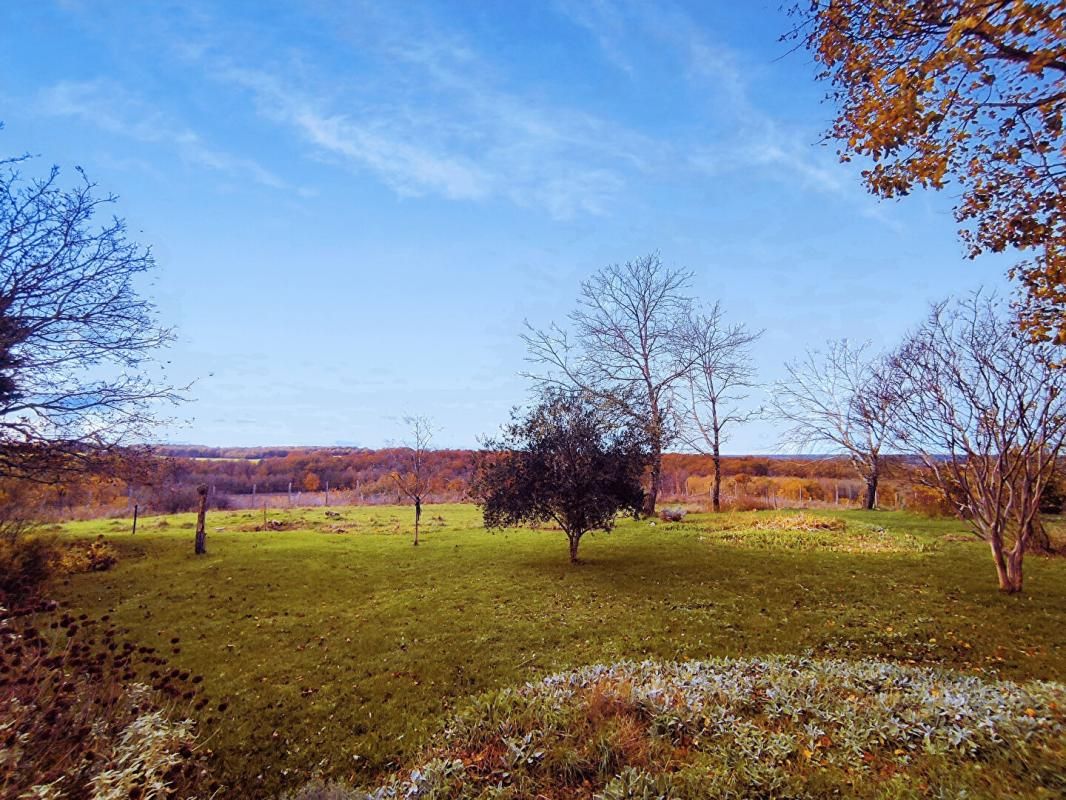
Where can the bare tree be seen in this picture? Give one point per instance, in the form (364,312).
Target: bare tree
(717,386)
(625,347)
(840,399)
(413,480)
(984,408)
(76,338)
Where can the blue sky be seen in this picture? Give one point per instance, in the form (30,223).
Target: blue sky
(354,206)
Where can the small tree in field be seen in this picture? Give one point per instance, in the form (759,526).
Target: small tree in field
(717,386)
(413,480)
(984,408)
(624,346)
(311,482)
(841,400)
(565,461)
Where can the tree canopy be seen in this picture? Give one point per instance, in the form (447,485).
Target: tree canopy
(626,347)
(969,91)
(985,412)
(564,461)
(76,336)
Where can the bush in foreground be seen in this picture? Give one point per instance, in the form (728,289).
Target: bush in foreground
(28,562)
(78,719)
(776,727)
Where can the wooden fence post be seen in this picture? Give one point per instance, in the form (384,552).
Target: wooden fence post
(201,516)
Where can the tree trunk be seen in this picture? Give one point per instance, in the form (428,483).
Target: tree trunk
(1008,567)
(716,491)
(418,517)
(652,495)
(1001,566)
(201,518)
(1014,567)
(1038,540)
(870,500)
(575,539)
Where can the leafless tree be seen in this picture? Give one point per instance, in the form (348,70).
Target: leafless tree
(984,408)
(717,386)
(840,399)
(76,338)
(413,481)
(625,347)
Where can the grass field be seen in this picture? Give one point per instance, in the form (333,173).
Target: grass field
(339,653)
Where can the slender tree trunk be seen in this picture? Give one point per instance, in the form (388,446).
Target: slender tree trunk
(716,494)
(575,539)
(656,475)
(201,519)
(418,517)
(871,491)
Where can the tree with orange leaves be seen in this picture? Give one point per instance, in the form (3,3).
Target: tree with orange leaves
(311,482)
(965,91)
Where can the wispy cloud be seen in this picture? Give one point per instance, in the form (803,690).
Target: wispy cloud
(420,104)
(430,115)
(754,140)
(108,106)
(402,162)
(605,23)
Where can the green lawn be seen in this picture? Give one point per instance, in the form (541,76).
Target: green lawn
(338,653)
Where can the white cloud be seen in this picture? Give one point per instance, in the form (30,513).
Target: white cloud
(110,107)
(415,104)
(405,166)
(605,23)
(446,131)
(755,140)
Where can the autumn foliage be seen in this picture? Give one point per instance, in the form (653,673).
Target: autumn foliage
(965,91)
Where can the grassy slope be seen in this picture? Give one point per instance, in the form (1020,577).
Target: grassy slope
(340,653)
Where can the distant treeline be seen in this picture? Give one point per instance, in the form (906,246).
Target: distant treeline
(233,470)
(365,476)
(268,470)
(271,476)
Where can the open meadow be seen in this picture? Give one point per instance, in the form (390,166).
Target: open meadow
(335,648)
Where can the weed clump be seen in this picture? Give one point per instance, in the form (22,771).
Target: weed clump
(26,564)
(79,718)
(94,556)
(672,514)
(800,522)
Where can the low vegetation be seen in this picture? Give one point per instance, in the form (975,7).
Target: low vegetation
(339,651)
(776,727)
(800,522)
(85,713)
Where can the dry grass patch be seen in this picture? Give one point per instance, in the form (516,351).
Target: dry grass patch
(800,522)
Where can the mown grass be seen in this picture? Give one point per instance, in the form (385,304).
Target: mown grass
(340,653)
